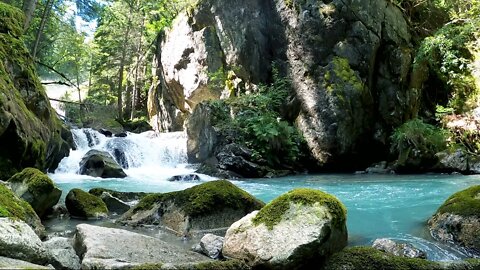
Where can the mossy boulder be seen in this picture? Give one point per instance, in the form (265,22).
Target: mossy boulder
(100,164)
(81,204)
(298,230)
(368,258)
(30,132)
(458,220)
(13,207)
(36,188)
(124,196)
(208,206)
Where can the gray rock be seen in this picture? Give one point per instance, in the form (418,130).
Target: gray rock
(123,196)
(114,205)
(19,241)
(202,138)
(304,236)
(379,168)
(211,245)
(62,252)
(398,249)
(36,188)
(9,263)
(100,164)
(185,177)
(108,248)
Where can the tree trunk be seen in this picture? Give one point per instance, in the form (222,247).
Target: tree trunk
(46,14)
(28,9)
(120,74)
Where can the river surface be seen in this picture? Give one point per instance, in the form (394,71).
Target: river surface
(392,206)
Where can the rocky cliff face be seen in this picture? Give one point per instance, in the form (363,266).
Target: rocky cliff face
(30,133)
(349,61)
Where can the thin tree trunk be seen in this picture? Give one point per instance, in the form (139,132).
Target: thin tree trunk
(28,9)
(46,14)
(120,74)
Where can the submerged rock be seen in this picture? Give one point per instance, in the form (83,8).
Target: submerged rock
(105,132)
(19,241)
(209,206)
(100,164)
(13,207)
(63,254)
(36,188)
(107,248)
(398,249)
(185,177)
(299,229)
(457,220)
(81,204)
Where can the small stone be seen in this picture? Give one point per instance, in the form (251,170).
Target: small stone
(211,245)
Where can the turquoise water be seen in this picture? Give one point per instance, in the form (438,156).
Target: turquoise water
(378,206)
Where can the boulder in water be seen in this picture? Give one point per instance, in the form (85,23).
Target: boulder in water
(213,205)
(36,188)
(121,135)
(19,241)
(108,248)
(398,249)
(105,132)
(13,207)
(81,204)
(185,177)
(299,229)
(458,220)
(123,196)
(100,164)
(113,204)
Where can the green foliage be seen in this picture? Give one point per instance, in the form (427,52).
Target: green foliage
(416,138)
(205,199)
(272,213)
(464,203)
(256,120)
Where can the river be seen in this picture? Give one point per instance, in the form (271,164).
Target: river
(392,206)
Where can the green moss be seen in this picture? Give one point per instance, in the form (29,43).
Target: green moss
(148,266)
(205,199)
(124,196)
(82,204)
(345,74)
(220,265)
(11,20)
(272,213)
(12,206)
(38,183)
(370,258)
(463,203)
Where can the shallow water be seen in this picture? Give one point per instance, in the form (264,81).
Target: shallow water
(392,206)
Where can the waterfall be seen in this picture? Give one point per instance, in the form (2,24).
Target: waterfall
(149,154)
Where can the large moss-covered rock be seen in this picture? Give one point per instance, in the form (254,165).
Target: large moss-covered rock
(36,188)
(30,132)
(458,220)
(349,62)
(100,164)
(208,206)
(299,229)
(85,205)
(13,207)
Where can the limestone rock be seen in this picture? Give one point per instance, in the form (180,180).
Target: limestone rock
(30,132)
(457,221)
(209,206)
(36,188)
(108,248)
(398,249)
(211,245)
(13,207)
(299,229)
(84,205)
(19,241)
(100,164)
(63,254)
(9,263)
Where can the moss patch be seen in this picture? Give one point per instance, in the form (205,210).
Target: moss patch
(12,206)
(205,199)
(11,20)
(220,265)
(464,203)
(38,183)
(272,213)
(370,258)
(82,204)
(148,266)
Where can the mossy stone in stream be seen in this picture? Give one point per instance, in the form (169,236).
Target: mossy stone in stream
(272,213)
(82,204)
(36,188)
(465,203)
